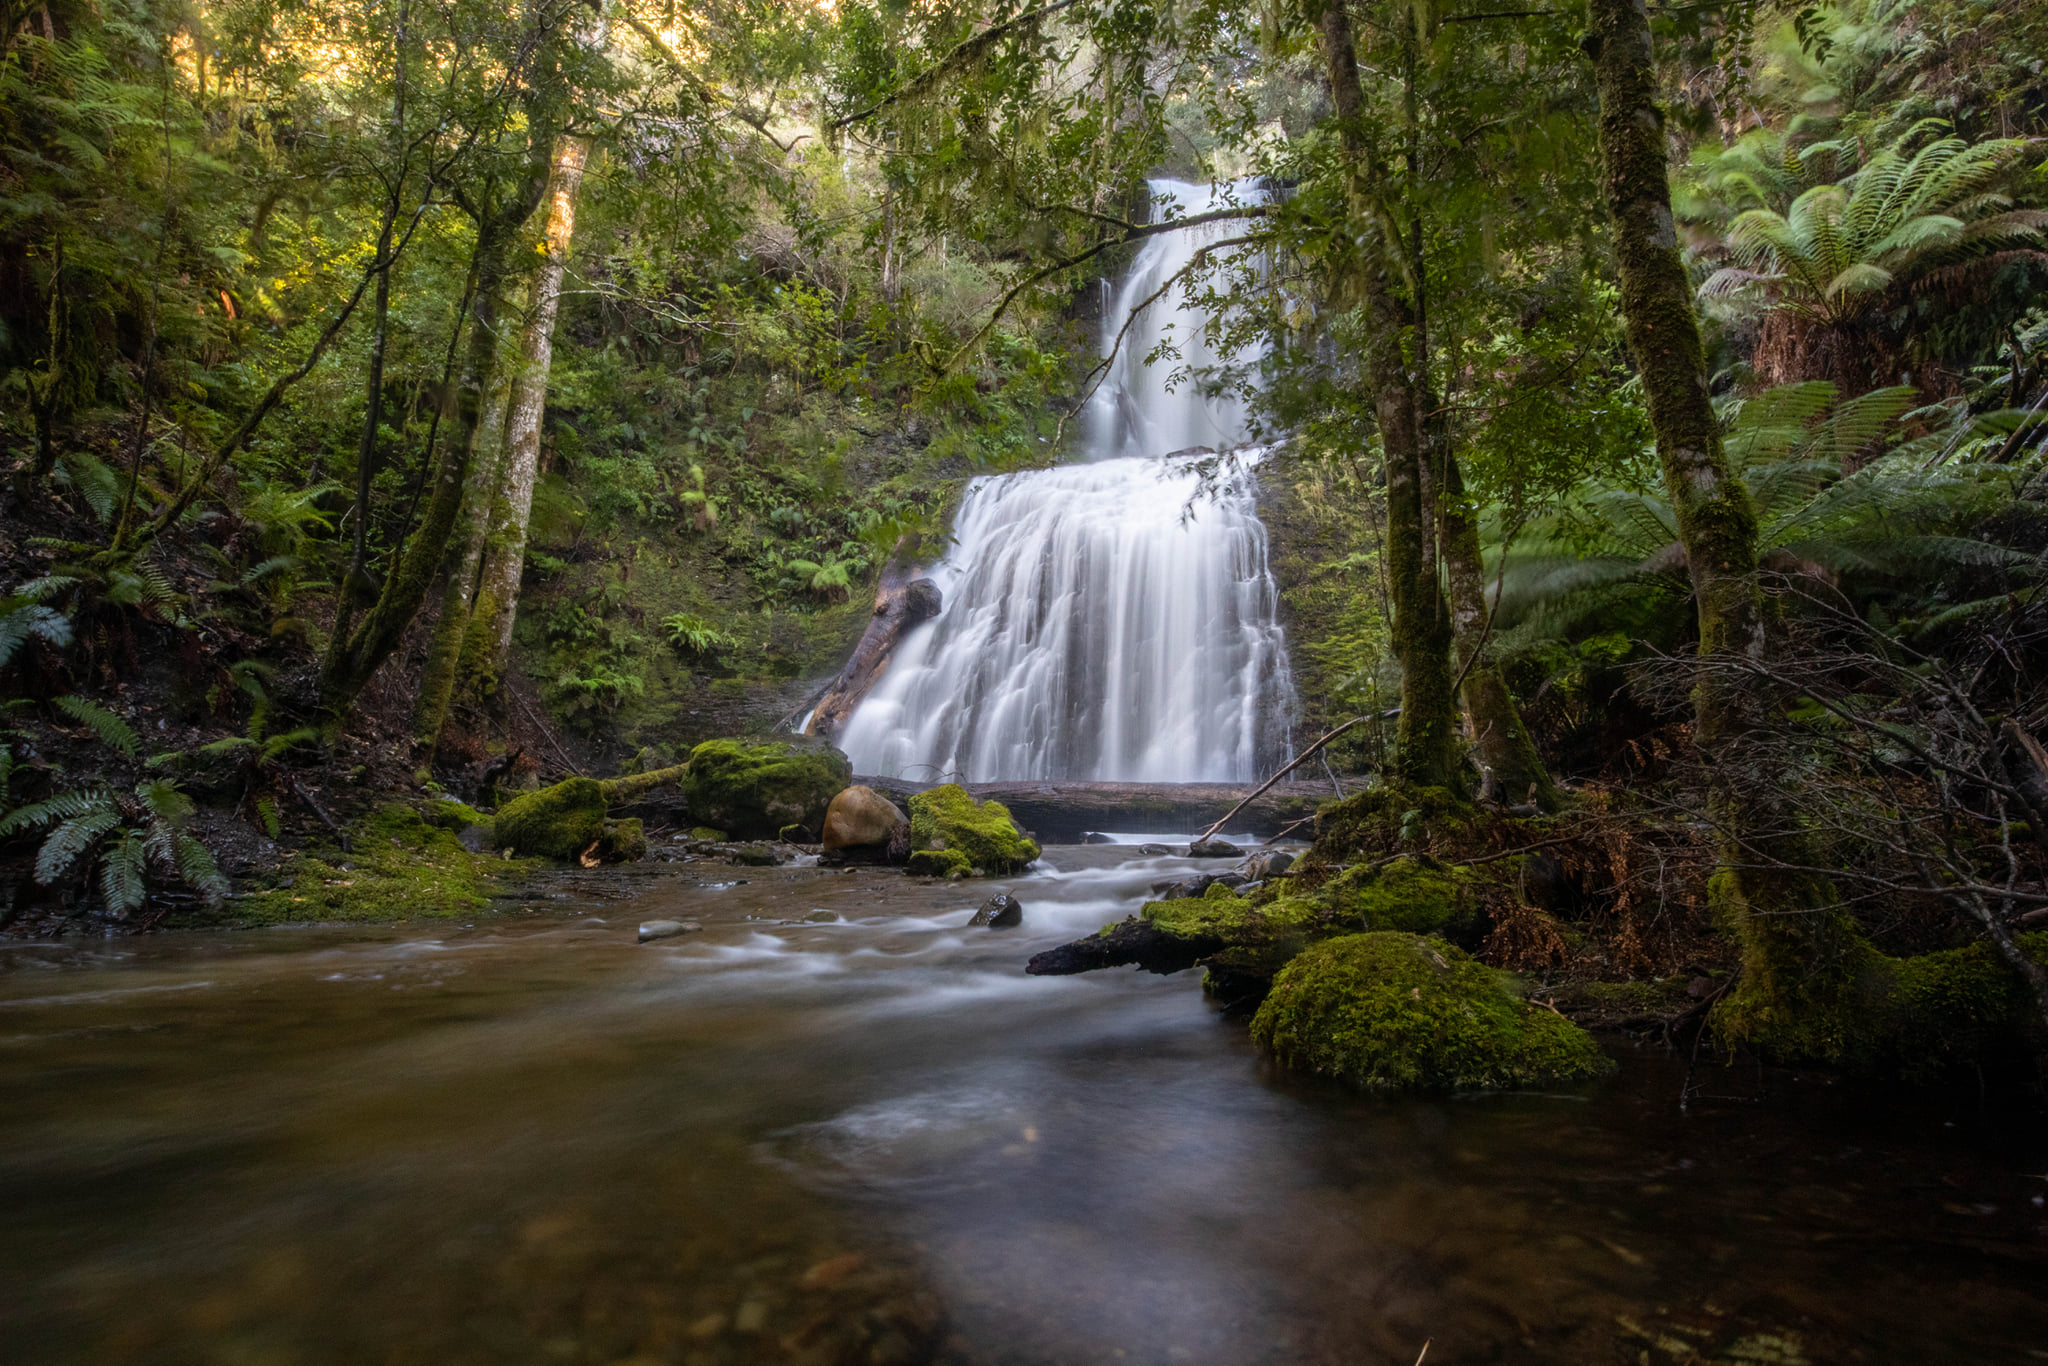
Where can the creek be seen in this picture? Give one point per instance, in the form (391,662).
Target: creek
(840,1125)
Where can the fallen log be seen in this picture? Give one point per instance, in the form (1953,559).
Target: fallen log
(901,602)
(1062,812)
(1130,941)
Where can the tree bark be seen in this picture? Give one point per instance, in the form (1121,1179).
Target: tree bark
(1499,737)
(353,659)
(497,600)
(1425,740)
(901,602)
(1802,957)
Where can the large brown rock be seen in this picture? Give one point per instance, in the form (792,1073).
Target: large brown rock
(861,821)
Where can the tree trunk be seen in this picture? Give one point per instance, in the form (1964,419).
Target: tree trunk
(1425,740)
(352,660)
(1802,956)
(497,600)
(1499,737)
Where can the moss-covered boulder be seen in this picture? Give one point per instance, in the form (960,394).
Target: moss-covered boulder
(568,822)
(1391,1011)
(1418,895)
(757,790)
(947,820)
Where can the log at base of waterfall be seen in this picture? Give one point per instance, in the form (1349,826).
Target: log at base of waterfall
(1055,812)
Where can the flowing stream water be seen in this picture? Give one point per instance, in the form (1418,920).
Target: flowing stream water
(840,1126)
(1115,619)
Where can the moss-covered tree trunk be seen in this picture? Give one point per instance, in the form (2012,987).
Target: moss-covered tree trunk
(1426,739)
(1499,737)
(1803,961)
(353,658)
(497,603)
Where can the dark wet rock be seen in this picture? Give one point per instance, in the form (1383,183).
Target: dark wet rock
(1154,850)
(822,917)
(863,826)
(1218,930)
(1093,837)
(1174,889)
(1000,912)
(1259,867)
(1213,848)
(667,929)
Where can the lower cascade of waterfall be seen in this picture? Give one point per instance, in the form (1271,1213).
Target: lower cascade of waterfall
(1114,620)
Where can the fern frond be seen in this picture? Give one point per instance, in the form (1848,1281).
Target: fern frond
(201,873)
(34,620)
(162,799)
(121,874)
(110,729)
(63,806)
(69,840)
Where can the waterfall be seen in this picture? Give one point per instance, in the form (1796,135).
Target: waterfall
(1115,619)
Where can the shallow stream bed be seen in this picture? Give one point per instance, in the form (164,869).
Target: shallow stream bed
(839,1125)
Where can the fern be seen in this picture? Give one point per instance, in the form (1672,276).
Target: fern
(267,816)
(64,806)
(98,485)
(69,840)
(122,873)
(161,798)
(111,730)
(32,620)
(200,872)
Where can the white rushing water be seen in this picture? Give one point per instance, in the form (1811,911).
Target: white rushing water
(1112,620)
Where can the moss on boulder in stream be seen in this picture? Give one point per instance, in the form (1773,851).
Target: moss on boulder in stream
(1418,895)
(967,835)
(1391,1011)
(757,791)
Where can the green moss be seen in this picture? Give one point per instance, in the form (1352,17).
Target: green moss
(400,867)
(1385,820)
(566,822)
(948,819)
(1257,939)
(754,791)
(1389,1011)
(450,814)
(1408,894)
(939,863)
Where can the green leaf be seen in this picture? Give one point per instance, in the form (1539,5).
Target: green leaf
(112,731)
(69,840)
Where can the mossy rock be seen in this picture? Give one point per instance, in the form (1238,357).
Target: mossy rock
(1383,820)
(1243,938)
(1391,1011)
(567,822)
(948,820)
(939,863)
(450,814)
(1417,895)
(756,791)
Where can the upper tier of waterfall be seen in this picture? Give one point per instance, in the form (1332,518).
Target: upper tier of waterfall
(1113,620)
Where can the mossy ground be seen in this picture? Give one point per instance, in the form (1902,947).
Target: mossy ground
(947,820)
(400,867)
(1390,1011)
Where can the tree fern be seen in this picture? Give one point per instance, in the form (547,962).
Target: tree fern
(110,729)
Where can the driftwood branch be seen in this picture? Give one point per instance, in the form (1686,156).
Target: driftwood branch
(1292,764)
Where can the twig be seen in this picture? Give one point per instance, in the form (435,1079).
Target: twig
(300,792)
(549,736)
(1297,762)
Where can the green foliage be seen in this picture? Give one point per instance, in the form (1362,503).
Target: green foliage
(693,635)
(108,728)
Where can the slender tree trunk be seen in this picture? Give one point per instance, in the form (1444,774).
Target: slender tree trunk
(1499,737)
(1803,960)
(1425,741)
(505,556)
(353,660)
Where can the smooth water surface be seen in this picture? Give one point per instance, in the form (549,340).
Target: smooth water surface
(839,1125)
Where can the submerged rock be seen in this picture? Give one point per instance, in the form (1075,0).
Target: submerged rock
(863,825)
(1391,1011)
(952,835)
(757,791)
(667,929)
(1154,850)
(1259,867)
(1000,912)
(1092,837)
(1213,848)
